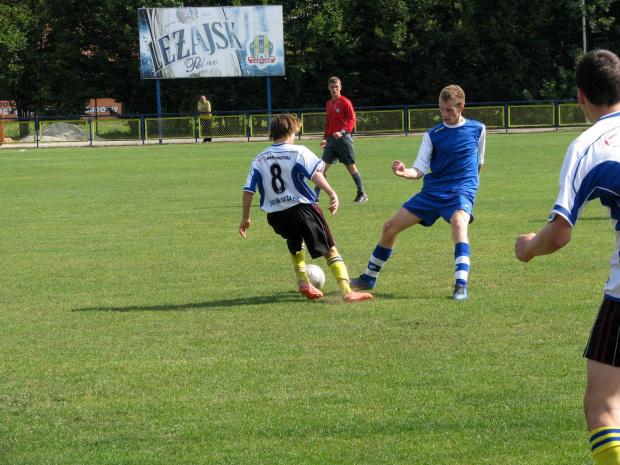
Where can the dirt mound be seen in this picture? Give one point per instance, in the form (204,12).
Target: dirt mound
(60,132)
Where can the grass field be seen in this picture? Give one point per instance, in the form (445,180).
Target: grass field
(138,327)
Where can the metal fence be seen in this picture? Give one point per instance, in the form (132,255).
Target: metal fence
(370,121)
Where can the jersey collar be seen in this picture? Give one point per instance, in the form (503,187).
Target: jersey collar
(611,115)
(452,126)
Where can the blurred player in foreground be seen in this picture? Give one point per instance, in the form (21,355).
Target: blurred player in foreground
(279,173)
(591,170)
(454,152)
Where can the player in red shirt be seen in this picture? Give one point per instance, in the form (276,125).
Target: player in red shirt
(337,142)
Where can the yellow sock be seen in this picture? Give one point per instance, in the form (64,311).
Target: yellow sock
(339,270)
(605,444)
(299,263)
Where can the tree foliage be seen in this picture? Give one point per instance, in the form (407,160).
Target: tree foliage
(57,54)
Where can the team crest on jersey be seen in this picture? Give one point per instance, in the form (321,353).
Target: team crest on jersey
(613,140)
(337,110)
(261,159)
(261,49)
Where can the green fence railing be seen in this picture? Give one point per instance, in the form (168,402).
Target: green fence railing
(370,121)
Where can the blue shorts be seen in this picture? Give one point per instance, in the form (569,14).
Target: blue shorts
(430,206)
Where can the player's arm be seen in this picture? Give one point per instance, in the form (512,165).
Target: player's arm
(245,220)
(555,235)
(482,145)
(399,169)
(350,120)
(326,134)
(422,161)
(319,179)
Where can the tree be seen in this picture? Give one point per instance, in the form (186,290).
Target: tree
(57,54)
(13,43)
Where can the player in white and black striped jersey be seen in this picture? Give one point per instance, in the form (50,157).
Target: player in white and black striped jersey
(279,173)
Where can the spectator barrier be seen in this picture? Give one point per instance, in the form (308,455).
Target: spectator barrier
(370,121)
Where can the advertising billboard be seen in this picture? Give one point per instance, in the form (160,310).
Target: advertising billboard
(95,107)
(211,42)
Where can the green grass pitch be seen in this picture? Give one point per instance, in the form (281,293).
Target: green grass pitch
(138,327)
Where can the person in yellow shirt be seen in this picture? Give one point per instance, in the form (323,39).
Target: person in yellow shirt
(204,108)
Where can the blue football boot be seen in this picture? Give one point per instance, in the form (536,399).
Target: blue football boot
(363,283)
(460,292)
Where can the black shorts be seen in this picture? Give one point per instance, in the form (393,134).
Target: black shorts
(341,149)
(605,336)
(303,223)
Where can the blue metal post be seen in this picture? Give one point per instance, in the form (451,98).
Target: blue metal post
(268,95)
(158,108)
(406,120)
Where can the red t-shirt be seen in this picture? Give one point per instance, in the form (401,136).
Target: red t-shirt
(340,115)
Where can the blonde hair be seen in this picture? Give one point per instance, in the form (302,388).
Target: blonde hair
(284,125)
(453,93)
(334,80)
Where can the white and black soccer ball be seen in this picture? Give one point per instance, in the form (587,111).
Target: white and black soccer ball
(316,275)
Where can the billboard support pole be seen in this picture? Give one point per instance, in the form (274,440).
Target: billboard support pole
(268,95)
(157,86)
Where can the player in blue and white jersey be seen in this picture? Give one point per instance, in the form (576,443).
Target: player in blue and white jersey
(454,152)
(591,170)
(279,174)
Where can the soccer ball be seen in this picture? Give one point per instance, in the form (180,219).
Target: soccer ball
(315,275)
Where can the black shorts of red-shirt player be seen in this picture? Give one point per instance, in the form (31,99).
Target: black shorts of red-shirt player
(303,223)
(339,150)
(604,342)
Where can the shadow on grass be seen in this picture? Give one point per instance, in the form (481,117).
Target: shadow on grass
(331,298)
(283,297)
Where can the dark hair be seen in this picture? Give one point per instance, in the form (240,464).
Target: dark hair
(598,77)
(284,125)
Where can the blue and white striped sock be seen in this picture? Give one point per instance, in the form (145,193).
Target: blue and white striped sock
(377,260)
(461,263)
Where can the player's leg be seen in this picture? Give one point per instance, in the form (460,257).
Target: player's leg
(602,410)
(317,189)
(287,224)
(460,222)
(329,157)
(357,179)
(402,220)
(299,265)
(340,273)
(298,256)
(346,154)
(602,398)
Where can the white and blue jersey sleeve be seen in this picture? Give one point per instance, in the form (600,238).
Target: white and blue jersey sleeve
(279,173)
(591,170)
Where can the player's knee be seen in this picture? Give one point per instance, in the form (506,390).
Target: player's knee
(460,224)
(600,407)
(389,229)
(330,253)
